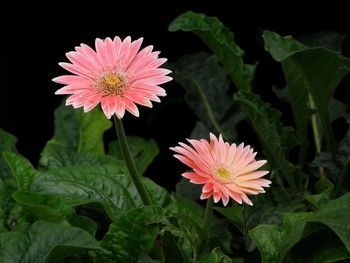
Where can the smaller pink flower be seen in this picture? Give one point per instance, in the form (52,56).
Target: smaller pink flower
(227,171)
(117,75)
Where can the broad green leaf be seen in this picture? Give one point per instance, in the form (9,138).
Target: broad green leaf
(79,131)
(144,258)
(325,189)
(173,253)
(267,209)
(315,71)
(92,127)
(338,163)
(43,240)
(131,234)
(234,215)
(51,208)
(274,137)
(321,247)
(57,155)
(186,219)
(216,256)
(220,235)
(274,242)
(189,190)
(108,185)
(21,169)
(221,41)
(206,83)
(8,207)
(143,151)
(7,143)
(337,109)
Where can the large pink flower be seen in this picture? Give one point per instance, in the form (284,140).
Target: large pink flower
(227,171)
(117,75)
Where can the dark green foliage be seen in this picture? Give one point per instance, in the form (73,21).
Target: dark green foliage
(80,205)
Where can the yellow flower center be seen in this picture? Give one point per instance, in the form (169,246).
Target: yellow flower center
(223,173)
(112,84)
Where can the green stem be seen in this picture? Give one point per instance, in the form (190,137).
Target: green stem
(208,108)
(130,162)
(207,220)
(317,136)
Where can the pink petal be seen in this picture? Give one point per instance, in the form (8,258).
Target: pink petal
(78,70)
(108,104)
(91,102)
(252,175)
(124,52)
(251,167)
(102,53)
(81,60)
(206,195)
(217,196)
(120,108)
(71,79)
(208,187)
(90,54)
(131,107)
(151,88)
(135,98)
(110,52)
(134,48)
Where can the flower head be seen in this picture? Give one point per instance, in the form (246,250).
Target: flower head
(117,75)
(227,171)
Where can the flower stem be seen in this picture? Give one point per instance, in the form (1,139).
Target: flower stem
(208,108)
(315,132)
(130,162)
(207,220)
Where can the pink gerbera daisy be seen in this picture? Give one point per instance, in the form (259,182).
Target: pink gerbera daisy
(227,171)
(117,75)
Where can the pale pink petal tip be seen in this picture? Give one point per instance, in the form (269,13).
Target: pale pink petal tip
(226,171)
(115,69)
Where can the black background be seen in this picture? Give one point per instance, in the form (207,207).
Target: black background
(36,37)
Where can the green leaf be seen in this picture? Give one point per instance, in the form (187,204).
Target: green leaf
(92,127)
(325,189)
(186,219)
(315,71)
(267,209)
(57,155)
(338,163)
(172,251)
(131,234)
(108,185)
(206,83)
(276,139)
(142,151)
(79,131)
(216,256)
(43,240)
(220,235)
(7,143)
(51,208)
(21,169)
(234,215)
(8,207)
(274,242)
(189,190)
(144,258)
(321,247)
(221,41)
